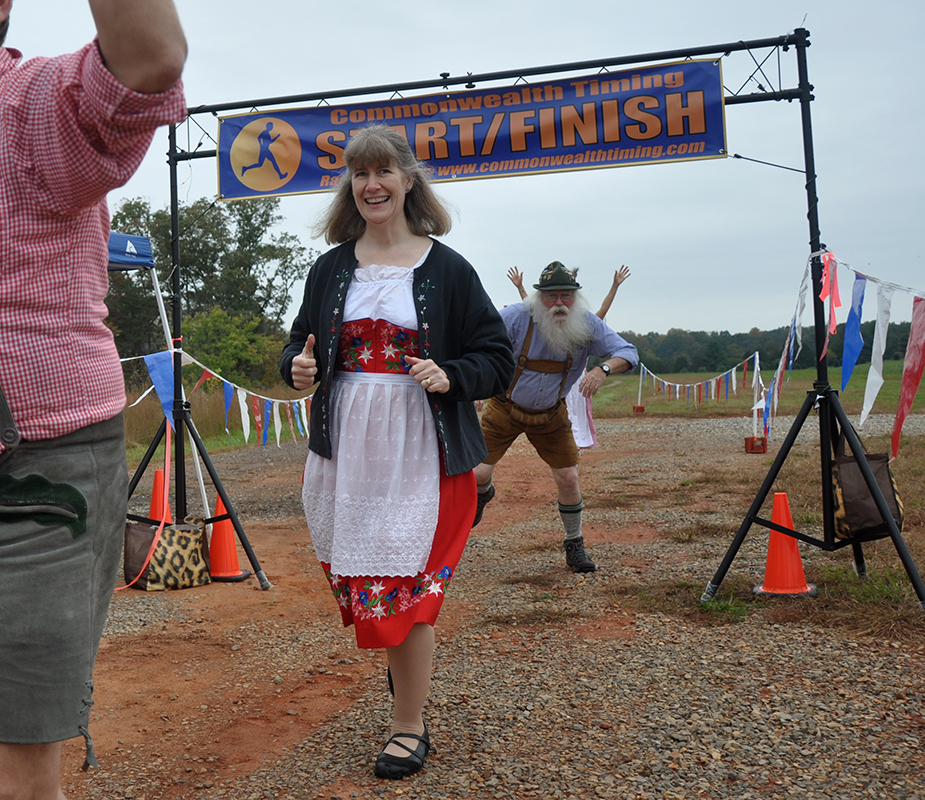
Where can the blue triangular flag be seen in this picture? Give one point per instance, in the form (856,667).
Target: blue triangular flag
(853,340)
(229,396)
(267,409)
(297,412)
(160,368)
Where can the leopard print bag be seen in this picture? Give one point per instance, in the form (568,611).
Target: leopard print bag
(179,561)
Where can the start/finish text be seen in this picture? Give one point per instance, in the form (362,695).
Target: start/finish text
(664,113)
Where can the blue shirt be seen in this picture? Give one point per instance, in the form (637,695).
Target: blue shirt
(539,390)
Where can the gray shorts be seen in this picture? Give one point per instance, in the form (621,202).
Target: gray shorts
(62,519)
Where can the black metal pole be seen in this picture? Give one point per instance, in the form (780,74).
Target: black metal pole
(820,326)
(175,301)
(181,416)
(823,397)
(446,80)
(812,201)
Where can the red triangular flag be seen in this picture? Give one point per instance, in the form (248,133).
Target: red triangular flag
(913,365)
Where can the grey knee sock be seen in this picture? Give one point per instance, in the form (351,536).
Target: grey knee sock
(571,520)
(481,488)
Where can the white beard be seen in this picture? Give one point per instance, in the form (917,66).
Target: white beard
(562,332)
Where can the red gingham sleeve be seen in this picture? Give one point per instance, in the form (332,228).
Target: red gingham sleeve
(98,130)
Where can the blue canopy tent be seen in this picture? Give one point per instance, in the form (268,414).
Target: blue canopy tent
(128,252)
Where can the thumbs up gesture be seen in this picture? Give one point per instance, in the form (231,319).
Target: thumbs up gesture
(304,365)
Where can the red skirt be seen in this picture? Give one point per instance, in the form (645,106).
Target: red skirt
(383,609)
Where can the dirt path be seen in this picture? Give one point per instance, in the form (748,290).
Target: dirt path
(200,687)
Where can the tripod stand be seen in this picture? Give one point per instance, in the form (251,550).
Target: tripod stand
(182,419)
(823,397)
(832,417)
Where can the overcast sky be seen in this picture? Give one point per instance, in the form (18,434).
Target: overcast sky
(713,245)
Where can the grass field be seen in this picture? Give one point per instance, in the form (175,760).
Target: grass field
(621,393)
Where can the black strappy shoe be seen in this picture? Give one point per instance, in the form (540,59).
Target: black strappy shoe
(397,767)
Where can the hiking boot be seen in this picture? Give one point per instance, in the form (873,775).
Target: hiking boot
(576,557)
(482,500)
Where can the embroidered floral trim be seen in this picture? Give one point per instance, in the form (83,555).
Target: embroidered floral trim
(343,282)
(373,602)
(376,346)
(422,291)
(422,314)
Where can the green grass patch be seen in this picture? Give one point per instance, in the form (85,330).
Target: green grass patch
(730,606)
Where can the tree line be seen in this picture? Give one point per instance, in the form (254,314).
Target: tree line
(236,278)
(714,352)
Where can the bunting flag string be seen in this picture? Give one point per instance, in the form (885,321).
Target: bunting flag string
(914,359)
(713,388)
(160,370)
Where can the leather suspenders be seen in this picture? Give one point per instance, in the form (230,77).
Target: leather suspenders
(545,365)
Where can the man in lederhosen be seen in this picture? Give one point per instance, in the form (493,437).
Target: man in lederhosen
(554,332)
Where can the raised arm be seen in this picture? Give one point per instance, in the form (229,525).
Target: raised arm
(619,276)
(142,42)
(517,278)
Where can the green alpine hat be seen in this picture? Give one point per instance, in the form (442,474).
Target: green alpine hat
(556,276)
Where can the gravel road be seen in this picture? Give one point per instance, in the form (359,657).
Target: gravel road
(546,687)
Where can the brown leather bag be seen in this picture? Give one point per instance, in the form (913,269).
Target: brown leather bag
(856,512)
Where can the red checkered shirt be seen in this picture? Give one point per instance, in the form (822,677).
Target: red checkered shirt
(69,133)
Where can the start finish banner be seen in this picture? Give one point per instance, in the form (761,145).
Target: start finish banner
(665,113)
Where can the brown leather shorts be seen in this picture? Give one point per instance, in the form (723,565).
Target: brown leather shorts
(548,430)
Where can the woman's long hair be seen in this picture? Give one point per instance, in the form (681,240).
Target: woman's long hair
(378,146)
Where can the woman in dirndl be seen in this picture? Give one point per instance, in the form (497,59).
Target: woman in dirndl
(398,337)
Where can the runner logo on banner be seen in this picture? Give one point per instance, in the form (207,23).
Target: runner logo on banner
(664,113)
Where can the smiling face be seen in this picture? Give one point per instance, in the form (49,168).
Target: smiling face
(558,303)
(379,193)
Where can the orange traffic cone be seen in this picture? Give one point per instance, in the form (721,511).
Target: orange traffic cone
(157,500)
(223,555)
(783,574)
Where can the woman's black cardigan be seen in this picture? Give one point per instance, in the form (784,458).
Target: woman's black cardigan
(458,327)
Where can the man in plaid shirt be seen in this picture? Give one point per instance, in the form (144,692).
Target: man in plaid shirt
(72,128)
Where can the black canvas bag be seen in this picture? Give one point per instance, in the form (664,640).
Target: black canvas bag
(856,512)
